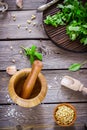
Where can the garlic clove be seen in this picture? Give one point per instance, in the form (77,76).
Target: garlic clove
(19,3)
(11,70)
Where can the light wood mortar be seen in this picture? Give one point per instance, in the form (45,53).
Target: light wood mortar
(38,93)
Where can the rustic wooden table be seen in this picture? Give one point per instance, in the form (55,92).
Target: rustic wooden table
(56,62)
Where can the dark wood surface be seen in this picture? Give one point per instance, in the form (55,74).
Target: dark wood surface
(56,62)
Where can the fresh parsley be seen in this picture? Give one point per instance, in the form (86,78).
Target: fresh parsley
(73,14)
(32,53)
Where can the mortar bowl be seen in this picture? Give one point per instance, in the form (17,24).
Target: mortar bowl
(38,93)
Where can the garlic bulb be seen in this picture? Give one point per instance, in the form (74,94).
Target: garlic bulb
(11,70)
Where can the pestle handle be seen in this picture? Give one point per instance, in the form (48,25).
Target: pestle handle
(31,79)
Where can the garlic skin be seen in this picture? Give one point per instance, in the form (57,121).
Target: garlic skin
(11,70)
(19,3)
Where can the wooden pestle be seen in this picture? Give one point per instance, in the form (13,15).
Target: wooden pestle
(73,84)
(31,79)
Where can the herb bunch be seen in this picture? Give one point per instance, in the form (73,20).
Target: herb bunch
(32,53)
(73,14)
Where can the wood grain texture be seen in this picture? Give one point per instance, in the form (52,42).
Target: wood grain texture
(55,92)
(56,62)
(9,28)
(27,4)
(40,117)
(53,57)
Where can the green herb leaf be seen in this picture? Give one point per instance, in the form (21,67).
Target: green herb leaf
(33,49)
(38,55)
(32,53)
(73,14)
(75,67)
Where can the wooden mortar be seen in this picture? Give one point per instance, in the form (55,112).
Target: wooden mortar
(17,83)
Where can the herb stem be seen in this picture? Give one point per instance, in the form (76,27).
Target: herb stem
(84,62)
(23,47)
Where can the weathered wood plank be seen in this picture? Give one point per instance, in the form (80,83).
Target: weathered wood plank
(9,28)
(55,93)
(42,127)
(53,57)
(14,117)
(39,117)
(27,4)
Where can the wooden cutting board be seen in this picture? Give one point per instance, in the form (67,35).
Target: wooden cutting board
(58,34)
